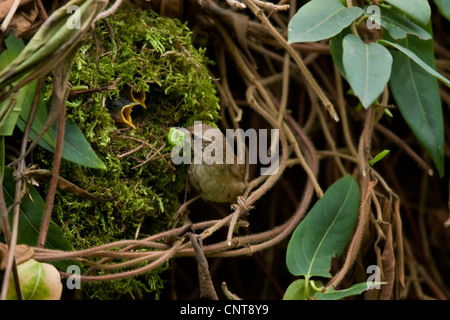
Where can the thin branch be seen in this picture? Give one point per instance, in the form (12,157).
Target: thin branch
(207,290)
(324,99)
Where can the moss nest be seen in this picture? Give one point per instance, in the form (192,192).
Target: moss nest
(140,51)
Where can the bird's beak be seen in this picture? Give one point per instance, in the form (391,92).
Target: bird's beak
(120,111)
(126,114)
(138,96)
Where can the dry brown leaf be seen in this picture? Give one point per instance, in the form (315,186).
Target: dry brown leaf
(23,18)
(5,6)
(23,253)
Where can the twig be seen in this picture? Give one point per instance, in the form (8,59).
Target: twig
(228,293)
(42,11)
(326,102)
(108,12)
(110,86)
(17,199)
(327,133)
(61,76)
(150,146)
(54,179)
(366,186)
(132,273)
(405,147)
(271,6)
(207,290)
(343,113)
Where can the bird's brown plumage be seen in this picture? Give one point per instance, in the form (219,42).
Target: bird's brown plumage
(217,182)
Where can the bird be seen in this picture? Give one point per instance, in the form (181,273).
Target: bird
(216,182)
(121,108)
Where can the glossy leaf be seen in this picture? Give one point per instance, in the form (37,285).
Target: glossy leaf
(320,19)
(367,67)
(325,230)
(337,51)
(397,25)
(76,148)
(38,281)
(30,219)
(419,10)
(416,93)
(356,289)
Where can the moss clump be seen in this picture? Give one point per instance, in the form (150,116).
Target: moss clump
(139,50)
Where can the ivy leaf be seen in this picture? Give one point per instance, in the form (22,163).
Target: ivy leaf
(320,19)
(367,68)
(325,230)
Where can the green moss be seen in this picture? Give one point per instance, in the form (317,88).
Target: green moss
(143,51)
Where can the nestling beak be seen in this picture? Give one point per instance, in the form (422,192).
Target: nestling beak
(136,96)
(121,108)
(120,111)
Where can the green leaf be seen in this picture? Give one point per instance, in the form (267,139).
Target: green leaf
(325,230)
(22,100)
(30,219)
(295,291)
(443,7)
(419,11)
(416,93)
(397,25)
(367,67)
(38,123)
(379,157)
(414,57)
(76,148)
(337,51)
(320,19)
(356,289)
(52,42)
